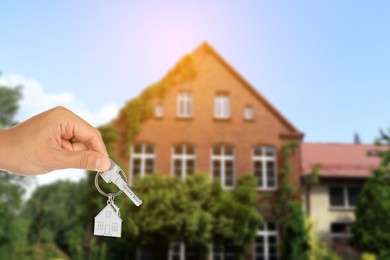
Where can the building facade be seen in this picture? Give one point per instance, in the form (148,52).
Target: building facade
(219,124)
(330,203)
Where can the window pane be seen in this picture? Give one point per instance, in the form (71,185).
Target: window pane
(270,174)
(229,173)
(353,193)
(136,167)
(258,171)
(270,152)
(177,168)
(149,149)
(271,226)
(137,148)
(228,150)
(190,150)
(216,169)
(336,195)
(178,149)
(149,165)
(190,166)
(258,151)
(217,150)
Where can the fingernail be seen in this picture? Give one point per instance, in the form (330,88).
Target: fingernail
(102,164)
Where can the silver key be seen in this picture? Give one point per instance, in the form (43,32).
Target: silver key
(114,175)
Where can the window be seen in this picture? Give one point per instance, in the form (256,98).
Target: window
(114,226)
(183,160)
(223,165)
(142,160)
(222,106)
(343,197)
(264,167)
(248,114)
(184,105)
(225,252)
(180,251)
(108,214)
(266,243)
(159,111)
(340,230)
(100,225)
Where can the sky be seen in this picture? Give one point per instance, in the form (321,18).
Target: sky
(325,65)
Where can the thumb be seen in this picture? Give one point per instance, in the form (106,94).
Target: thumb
(88,160)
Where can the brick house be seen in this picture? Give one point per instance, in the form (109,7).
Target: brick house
(217,123)
(330,203)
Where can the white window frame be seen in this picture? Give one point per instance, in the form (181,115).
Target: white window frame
(347,205)
(221,254)
(108,214)
(264,159)
(143,156)
(114,226)
(100,225)
(248,113)
(184,104)
(266,234)
(222,106)
(183,157)
(182,250)
(222,159)
(159,111)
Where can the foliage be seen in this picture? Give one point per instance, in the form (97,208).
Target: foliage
(296,243)
(236,216)
(9,98)
(12,187)
(368,256)
(128,123)
(195,212)
(370,231)
(289,210)
(318,250)
(39,252)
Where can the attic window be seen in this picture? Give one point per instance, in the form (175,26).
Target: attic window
(159,111)
(222,106)
(248,113)
(184,104)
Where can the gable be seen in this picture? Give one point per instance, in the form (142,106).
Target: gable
(113,213)
(205,48)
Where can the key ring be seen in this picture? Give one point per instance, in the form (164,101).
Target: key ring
(108,194)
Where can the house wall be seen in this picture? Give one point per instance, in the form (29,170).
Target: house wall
(202,130)
(322,214)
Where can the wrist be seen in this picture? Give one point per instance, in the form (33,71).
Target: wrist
(5,149)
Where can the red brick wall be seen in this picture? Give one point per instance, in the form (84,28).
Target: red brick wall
(203,130)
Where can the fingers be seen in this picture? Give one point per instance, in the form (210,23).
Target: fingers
(75,128)
(88,160)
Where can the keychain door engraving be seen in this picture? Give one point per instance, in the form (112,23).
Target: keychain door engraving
(108,222)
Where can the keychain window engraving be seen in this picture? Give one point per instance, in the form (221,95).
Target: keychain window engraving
(108,222)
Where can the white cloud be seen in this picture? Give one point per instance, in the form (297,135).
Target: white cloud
(36,100)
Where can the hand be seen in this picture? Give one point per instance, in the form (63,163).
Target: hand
(55,139)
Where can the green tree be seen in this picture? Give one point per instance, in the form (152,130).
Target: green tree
(370,230)
(12,187)
(57,217)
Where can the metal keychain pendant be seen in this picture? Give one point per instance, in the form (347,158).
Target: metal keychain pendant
(108,222)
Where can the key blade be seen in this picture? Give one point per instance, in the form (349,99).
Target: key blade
(134,198)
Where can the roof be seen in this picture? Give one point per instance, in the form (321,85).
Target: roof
(339,159)
(112,209)
(294,131)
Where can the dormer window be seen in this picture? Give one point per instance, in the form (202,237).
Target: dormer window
(248,113)
(184,104)
(159,111)
(222,106)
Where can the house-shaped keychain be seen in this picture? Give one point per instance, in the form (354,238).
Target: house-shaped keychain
(108,222)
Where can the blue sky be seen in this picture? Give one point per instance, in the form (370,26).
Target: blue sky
(323,64)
